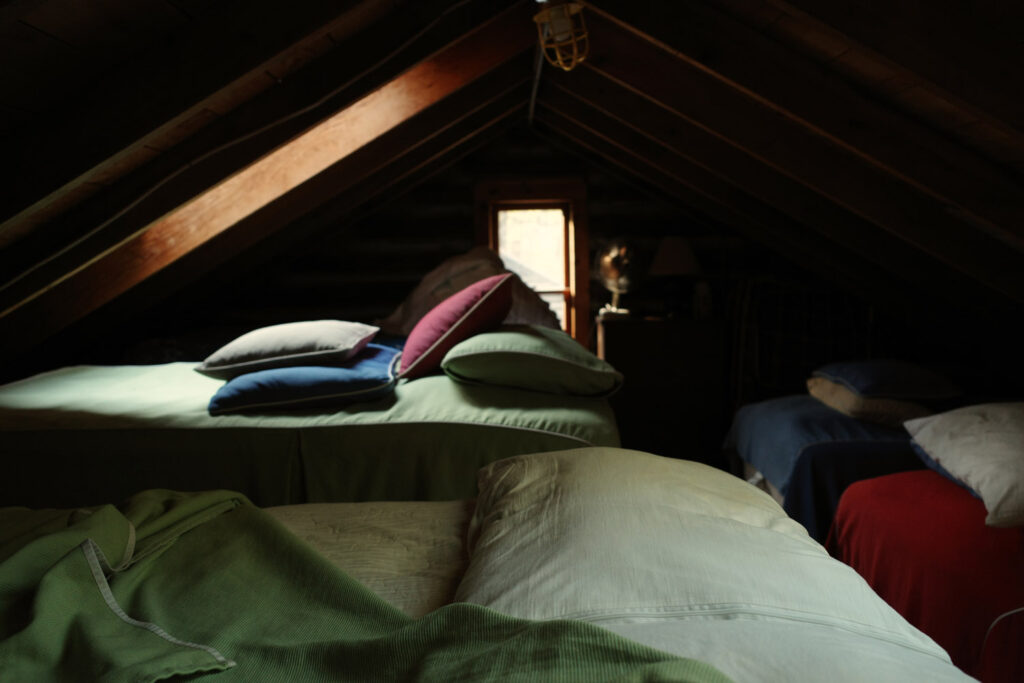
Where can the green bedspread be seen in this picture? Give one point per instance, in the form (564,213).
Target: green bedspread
(114,430)
(209,586)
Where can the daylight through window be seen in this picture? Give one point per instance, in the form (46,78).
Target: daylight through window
(533,243)
(539,229)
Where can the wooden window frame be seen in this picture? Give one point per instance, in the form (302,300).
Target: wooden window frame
(568,194)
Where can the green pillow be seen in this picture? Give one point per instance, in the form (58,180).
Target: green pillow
(531,357)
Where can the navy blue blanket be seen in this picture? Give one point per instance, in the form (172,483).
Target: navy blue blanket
(811,452)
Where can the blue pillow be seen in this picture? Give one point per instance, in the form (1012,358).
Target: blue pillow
(889,379)
(367,376)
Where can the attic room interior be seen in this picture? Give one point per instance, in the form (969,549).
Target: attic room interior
(271,253)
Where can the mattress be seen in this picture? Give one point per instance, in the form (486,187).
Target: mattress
(957,579)
(109,431)
(412,554)
(750,620)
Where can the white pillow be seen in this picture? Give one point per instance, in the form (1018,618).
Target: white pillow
(612,535)
(981,446)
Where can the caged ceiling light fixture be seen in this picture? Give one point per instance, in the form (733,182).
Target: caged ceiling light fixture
(562,32)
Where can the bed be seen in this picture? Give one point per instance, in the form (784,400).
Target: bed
(313,411)
(805,449)
(945,545)
(587,564)
(84,434)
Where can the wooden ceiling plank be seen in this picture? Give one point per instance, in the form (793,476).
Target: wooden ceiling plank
(180,73)
(159,187)
(342,76)
(112,28)
(803,222)
(759,224)
(897,144)
(368,172)
(188,185)
(803,153)
(599,104)
(392,180)
(421,162)
(970,52)
(29,57)
(294,191)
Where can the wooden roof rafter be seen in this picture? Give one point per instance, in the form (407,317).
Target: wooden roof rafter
(265,196)
(722,203)
(636,124)
(88,224)
(830,166)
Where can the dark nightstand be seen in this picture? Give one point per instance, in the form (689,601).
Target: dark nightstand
(673,399)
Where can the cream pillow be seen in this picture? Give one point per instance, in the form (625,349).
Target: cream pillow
(982,447)
(891,412)
(612,536)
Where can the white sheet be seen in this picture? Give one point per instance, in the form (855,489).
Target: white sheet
(686,558)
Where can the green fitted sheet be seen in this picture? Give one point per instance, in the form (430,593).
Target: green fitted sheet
(86,434)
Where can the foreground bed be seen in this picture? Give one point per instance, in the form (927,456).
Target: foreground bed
(587,564)
(86,434)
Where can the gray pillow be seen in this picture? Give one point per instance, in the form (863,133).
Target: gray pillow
(311,342)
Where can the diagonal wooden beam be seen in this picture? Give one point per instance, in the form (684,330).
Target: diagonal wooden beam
(800,151)
(740,56)
(229,144)
(971,50)
(269,194)
(591,100)
(757,220)
(169,91)
(191,278)
(705,193)
(418,148)
(170,287)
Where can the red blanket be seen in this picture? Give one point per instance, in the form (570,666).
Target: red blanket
(921,542)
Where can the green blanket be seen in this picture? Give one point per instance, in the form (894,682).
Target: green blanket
(209,586)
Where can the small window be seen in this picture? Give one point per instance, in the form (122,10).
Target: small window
(538,230)
(534,244)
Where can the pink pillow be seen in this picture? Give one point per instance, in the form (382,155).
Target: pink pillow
(477,308)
